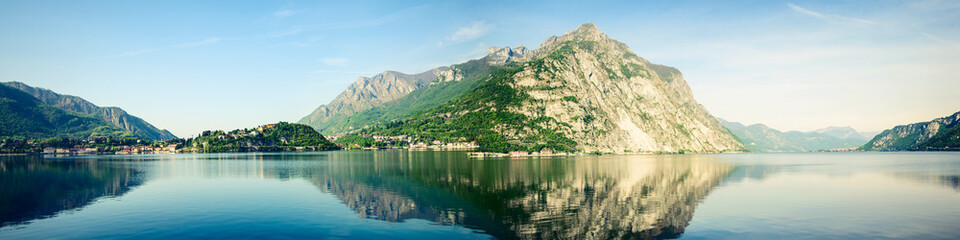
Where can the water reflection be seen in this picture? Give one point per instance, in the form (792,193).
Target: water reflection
(583,198)
(33,188)
(612,197)
(940,169)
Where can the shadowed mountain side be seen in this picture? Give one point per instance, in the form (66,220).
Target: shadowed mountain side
(636,197)
(112,115)
(43,189)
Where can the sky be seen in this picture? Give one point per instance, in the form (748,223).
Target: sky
(189,66)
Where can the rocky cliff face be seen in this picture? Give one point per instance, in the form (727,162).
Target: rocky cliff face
(913,136)
(615,101)
(113,115)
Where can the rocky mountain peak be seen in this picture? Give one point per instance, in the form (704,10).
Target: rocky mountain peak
(586,32)
(506,54)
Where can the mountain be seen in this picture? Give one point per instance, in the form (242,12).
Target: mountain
(841,132)
(24,116)
(112,115)
(368,92)
(760,138)
(391,96)
(581,91)
(938,134)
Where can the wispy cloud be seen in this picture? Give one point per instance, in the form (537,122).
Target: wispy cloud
(335,61)
(466,33)
(204,42)
(830,17)
(285,13)
(359,23)
(942,40)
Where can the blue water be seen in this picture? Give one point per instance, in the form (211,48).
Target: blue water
(447,195)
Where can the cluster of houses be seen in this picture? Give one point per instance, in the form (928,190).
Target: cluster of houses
(542,153)
(437,144)
(123,150)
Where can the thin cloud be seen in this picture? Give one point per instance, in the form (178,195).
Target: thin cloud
(470,32)
(942,40)
(830,17)
(208,41)
(285,13)
(204,42)
(362,23)
(467,33)
(335,61)
(341,72)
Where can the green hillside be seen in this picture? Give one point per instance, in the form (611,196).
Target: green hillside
(946,139)
(414,102)
(23,116)
(267,138)
(482,115)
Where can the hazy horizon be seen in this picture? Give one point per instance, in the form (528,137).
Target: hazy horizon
(227,65)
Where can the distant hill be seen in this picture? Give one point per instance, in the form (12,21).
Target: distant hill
(24,116)
(111,115)
(281,136)
(760,138)
(841,132)
(938,134)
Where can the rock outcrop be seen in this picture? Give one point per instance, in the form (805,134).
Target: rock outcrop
(113,115)
(615,101)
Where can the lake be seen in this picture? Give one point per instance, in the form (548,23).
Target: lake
(400,194)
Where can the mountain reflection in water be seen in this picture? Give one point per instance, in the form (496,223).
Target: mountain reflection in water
(612,197)
(33,188)
(583,197)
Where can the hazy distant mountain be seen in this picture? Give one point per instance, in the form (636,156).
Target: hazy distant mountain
(581,91)
(112,115)
(938,134)
(841,132)
(760,138)
(24,116)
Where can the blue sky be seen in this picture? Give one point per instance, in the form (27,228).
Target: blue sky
(189,66)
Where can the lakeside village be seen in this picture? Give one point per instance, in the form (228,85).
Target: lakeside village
(376,141)
(277,137)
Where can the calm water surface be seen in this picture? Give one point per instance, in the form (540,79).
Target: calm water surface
(446,195)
